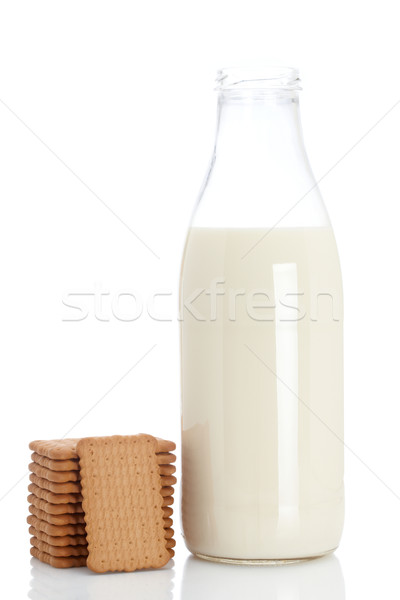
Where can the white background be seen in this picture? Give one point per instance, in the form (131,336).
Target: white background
(107,107)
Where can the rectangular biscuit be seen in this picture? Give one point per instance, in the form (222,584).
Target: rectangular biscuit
(56,530)
(59,562)
(122,500)
(55,465)
(166,469)
(167,491)
(71,508)
(167,480)
(167,501)
(59,550)
(168,533)
(65,448)
(167,523)
(163,445)
(56,476)
(52,497)
(63,519)
(59,540)
(165,458)
(70,487)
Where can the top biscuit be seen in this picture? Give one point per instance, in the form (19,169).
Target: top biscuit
(163,445)
(65,449)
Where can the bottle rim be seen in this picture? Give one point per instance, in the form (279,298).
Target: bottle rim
(268,78)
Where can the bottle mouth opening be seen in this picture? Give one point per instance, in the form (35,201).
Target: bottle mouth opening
(258,78)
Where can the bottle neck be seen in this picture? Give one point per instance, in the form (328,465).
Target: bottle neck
(254,128)
(259,174)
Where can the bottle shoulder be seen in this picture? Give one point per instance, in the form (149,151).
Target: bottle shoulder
(263,195)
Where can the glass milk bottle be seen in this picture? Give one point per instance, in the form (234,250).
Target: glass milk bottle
(261,339)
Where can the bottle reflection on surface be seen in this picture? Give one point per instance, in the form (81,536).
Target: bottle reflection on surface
(311,580)
(48,583)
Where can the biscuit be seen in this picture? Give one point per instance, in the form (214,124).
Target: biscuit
(56,530)
(54,498)
(167,480)
(56,465)
(169,533)
(70,487)
(71,508)
(59,562)
(167,511)
(166,469)
(63,519)
(167,501)
(59,550)
(166,491)
(165,458)
(163,445)
(167,523)
(56,476)
(59,540)
(121,492)
(65,449)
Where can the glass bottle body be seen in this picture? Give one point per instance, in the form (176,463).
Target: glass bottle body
(261,343)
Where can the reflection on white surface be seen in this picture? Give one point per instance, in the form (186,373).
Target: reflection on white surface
(311,580)
(48,583)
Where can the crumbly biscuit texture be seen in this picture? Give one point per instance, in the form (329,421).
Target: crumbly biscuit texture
(54,497)
(59,550)
(55,476)
(56,465)
(123,503)
(62,519)
(59,540)
(59,562)
(71,508)
(56,530)
(69,487)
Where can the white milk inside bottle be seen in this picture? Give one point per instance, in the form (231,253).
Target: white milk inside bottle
(261,438)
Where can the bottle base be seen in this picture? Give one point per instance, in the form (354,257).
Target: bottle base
(261,561)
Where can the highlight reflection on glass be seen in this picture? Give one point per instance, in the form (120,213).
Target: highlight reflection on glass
(287,371)
(48,583)
(312,580)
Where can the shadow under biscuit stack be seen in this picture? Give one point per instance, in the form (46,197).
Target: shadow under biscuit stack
(102,502)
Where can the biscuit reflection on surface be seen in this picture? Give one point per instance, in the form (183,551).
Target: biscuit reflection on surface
(311,580)
(48,583)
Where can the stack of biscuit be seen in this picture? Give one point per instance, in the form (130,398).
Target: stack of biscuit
(103,502)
